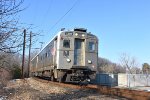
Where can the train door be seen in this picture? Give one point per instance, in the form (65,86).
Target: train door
(79,52)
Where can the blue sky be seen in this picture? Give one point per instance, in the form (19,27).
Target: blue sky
(122,26)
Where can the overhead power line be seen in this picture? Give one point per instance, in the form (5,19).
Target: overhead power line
(64,15)
(46,13)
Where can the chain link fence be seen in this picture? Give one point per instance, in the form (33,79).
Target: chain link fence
(123,80)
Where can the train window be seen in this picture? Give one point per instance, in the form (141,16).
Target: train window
(46,55)
(66,53)
(91,46)
(66,43)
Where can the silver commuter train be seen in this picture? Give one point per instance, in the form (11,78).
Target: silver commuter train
(71,56)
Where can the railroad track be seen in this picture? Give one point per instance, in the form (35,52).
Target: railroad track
(74,86)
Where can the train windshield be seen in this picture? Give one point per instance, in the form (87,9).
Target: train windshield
(66,43)
(91,46)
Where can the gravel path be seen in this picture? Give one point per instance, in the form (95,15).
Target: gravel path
(31,89)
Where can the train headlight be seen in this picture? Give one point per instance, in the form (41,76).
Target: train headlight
(76,34)
(68,60)
(83,35)
(89,61)
(88,80)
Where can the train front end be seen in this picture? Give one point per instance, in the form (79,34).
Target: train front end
(77,55)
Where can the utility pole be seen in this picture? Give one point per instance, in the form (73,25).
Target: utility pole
(29,62)
(41,45)
(23,55)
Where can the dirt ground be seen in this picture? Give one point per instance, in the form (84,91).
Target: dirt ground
(31,89)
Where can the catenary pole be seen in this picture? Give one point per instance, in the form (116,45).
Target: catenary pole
(23,55)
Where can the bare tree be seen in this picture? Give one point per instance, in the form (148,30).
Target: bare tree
(146,68)
(9,66)
(10,37)
(5,75)
(119,69)
(106,66)
(8,60)
(130,63)
(146,72)
(103,65)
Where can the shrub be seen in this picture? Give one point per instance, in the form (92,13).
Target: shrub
(16,72)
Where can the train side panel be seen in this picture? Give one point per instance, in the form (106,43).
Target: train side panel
(45,60)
